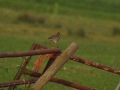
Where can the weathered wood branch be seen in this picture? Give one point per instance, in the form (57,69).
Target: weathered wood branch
(53,69)
(29,53)
(95,64)
(33,80)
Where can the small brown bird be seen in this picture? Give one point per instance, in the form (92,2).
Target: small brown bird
(55,38)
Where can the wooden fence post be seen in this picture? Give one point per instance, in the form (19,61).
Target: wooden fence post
(118,86)
(57,64)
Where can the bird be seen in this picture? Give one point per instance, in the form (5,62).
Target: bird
(54,38)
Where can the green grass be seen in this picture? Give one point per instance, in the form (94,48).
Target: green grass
(96,9)
(99,51)
(67,17)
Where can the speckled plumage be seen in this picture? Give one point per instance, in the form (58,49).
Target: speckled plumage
(55,37)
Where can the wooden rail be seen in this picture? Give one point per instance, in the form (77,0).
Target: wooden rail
(53,65)
(29,53)
(57,64)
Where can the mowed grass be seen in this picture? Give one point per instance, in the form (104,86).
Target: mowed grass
(98,44)
(103,52)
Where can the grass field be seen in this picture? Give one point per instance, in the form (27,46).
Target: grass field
(90,24)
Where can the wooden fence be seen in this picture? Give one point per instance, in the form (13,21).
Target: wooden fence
(55,62)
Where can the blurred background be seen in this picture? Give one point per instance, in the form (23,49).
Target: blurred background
(94,18)
(93,24)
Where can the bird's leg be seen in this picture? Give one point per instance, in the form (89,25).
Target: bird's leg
(50,43)
(55,44)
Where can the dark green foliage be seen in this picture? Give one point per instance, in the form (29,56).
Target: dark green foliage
(1,89)
(6,69)
(58,25)
(31,18)
(81,32)
(18,88)
(88,8)
(69,31)
(116,31)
